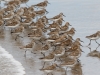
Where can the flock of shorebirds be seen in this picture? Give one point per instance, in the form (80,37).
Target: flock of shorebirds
(48,35)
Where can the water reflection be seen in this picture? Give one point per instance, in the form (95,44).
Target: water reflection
(94,53)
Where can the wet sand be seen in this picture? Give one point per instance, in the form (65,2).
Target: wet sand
(83,15)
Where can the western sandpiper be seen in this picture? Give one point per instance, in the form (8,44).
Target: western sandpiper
(94,36)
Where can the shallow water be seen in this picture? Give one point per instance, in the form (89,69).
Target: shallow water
(83,15)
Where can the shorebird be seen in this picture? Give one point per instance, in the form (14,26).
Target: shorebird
(20,11)
(26,13)
(68,63)
(52,38)
(17,17)
(8,16)
(18,30)
(57,17)
(77,69)
(71,32)
(61,38)
(67,42)
(36,34)
(45,48)
(12,24)
(49,69)
(55,31)
(41,12)
(94,36)
(44,19)
(65,27)
(15,3)
(41,4)
(1,23)
(24,1)
(53,26)
(28,47)
(31,9)
(2,11)
(48,58)
(75,53)
(77,42)
(27,21)
(9,8)
(33,15)
(33,25)
(59,21)
(59,52)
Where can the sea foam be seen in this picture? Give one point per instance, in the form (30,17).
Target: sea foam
(8,65)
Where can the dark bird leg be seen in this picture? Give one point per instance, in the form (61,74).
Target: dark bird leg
(60,59)
(97,42)
(66,71)
(43,65)
(16,37)
(25,54)
(43,54)
(89,43)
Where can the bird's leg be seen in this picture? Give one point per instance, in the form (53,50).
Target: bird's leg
(89,48)
(43,65)
(89,43)
(43,54)
(25,54)
(60,59)
(51,73)
(97,47)
(55,60)
(48,74)
(16,37)
(97,42)
(66,71)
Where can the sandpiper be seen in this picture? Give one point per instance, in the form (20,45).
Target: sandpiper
(37,34)
(18,30)
(53,26)
(48,58)
(8,16)
(49,69)
(27,21)
(94,36)
(59,21)
(57,17)
(64,28)
(20,11)
(41,12)
(13,24)
(59,52)
(1,23)
(68,63)
(31,9)
(71,32)
(28,47)
(44,19)
(41,4)
(44,49)
(52,38)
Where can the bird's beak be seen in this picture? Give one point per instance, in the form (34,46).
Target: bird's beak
(81,41)
(74,30)
(64,20)
(48,3)
(64,15)
(70,25)
(47,12)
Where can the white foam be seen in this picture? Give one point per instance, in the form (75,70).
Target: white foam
(8,65)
